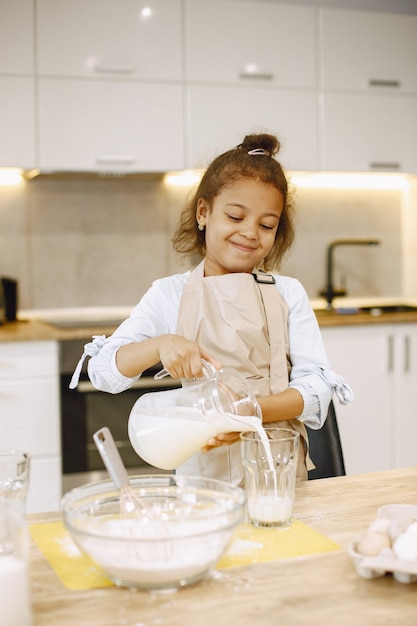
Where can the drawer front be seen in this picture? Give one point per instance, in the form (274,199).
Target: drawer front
(28,359)
(30,416)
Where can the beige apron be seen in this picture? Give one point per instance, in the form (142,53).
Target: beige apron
(243,323)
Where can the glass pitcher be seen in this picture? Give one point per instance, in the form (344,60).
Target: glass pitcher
(167,427)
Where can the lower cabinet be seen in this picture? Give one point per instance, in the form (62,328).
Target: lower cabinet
(29,400)
(379,428)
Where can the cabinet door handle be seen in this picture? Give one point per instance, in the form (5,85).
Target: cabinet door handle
(121,159)
(379,82)
(390,353)
(407,354)
(385,165)
(102,68)
(256,76)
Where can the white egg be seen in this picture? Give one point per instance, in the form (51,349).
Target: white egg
(412,529)
(396,528)
(405,547)
(380,525)
(372,543)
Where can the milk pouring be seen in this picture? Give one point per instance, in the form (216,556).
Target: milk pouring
(166,428)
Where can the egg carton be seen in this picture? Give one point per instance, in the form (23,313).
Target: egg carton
(378,566)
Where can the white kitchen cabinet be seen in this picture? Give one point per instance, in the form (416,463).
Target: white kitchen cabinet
(16,37)
(360,354)
(91,38)
(109,126)
(364,132)
(250,43)
(17,122)
(379,428)
(30,418)
(368,89)
(218,117)
(368,51)
(405,385)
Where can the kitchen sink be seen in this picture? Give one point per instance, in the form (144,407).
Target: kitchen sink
(388,308)
(373,309)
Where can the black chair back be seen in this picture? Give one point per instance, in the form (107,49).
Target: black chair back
(326,448)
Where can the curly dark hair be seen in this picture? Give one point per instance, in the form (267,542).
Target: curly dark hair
(227,168)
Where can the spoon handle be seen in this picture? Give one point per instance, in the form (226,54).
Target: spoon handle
(111,457)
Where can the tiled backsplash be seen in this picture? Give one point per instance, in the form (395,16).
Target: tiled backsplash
(89,241)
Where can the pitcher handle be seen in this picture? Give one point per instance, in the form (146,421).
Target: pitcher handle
(208,370)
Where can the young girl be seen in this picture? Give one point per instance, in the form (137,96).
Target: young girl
(229,311)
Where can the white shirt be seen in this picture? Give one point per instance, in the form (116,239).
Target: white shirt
(157,312)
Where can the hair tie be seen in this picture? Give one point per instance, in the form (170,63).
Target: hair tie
(260,152)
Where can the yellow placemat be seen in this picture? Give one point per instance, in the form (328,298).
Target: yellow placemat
(74,569)
(258,545)
(249,545)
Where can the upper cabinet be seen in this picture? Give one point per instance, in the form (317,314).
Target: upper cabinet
(16,37)
(109,85)
(109,127)
(251,43)
(219,116)
(245,74)
(156,85)
(116,38)
(17,85)
(368,51)
(369,133)
(17,122)
(369,91)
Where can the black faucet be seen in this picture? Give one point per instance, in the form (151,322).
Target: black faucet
(331,292)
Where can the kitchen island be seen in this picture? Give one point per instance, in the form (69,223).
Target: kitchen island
(318,589)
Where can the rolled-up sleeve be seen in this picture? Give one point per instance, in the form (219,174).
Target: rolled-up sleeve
(155,315)
(311,372)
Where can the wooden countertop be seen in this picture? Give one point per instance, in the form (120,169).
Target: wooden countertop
(326,318)
(317,590)
(36,330)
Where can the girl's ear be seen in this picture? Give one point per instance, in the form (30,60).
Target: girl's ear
(202,210)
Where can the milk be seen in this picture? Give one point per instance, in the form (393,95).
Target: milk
(168,441)
(14,592)
(271,508)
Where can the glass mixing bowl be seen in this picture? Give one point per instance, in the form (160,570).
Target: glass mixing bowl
(165,532)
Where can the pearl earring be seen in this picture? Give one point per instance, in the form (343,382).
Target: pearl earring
(201,227)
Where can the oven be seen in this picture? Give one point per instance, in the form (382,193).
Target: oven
(84,410)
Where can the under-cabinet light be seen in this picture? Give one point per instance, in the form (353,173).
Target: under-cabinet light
(10,176)
(349,181)
(187,178)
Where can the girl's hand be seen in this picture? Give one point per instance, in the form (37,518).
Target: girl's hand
(182,357)
(222,439)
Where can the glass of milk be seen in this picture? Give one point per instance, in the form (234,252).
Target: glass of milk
(14,477)
(15,599)
(270,464)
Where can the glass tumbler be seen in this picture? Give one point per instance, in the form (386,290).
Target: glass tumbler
(270,467)
(14,477)
(15,601)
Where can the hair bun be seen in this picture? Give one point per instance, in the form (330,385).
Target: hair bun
(262,141)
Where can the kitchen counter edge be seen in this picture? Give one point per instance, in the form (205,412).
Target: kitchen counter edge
(36,330)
